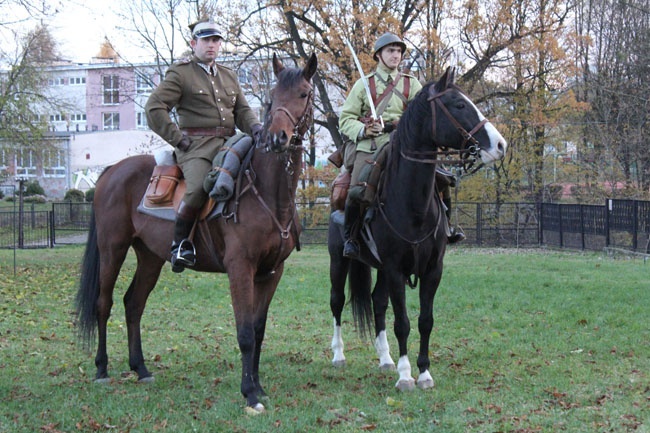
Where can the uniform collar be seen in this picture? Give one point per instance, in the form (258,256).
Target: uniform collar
(384,72)
(210,70)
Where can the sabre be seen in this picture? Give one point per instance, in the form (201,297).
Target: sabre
(373,110)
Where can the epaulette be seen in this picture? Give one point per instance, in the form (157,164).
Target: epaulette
(184,61)
(408,75)
(219,65)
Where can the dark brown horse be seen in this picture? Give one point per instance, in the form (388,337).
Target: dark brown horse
(408,225)
(251,250)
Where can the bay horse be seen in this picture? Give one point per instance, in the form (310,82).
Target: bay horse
(408,224)
(251,249)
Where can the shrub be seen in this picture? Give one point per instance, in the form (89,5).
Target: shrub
(34,188)
(74,195)
(90,195)
(35,199)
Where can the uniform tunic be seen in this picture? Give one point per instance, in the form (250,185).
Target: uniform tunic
(356,106)
(202,98)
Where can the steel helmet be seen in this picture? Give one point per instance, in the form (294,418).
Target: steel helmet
(385,40)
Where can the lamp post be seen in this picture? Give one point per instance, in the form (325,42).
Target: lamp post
(21,234)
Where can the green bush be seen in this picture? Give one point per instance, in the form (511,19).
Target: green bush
(34,188)
(35,199)
(74,195)
(90,195)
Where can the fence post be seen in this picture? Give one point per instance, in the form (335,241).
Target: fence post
(635,224)
(50,220)
(608,209)
(540,226)
(582,227)
(559,211)
(479,229)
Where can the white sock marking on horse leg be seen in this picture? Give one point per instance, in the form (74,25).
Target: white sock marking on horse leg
(383,351)
(406,381)
(425,381)
(337,346)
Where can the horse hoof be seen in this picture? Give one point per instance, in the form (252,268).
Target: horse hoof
(148,379)
(339,364)
(255,410)
(102,380)
(387,367)
(425,384)
(405,384)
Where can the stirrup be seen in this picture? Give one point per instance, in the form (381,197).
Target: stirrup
(183,255)
(351,249)
(456,236)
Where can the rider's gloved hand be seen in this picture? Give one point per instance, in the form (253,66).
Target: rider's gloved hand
(184,144)
(372,130)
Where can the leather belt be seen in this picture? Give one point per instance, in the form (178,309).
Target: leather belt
(219,131)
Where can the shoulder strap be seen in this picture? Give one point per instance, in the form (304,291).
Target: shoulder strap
(383,97)
(407,88)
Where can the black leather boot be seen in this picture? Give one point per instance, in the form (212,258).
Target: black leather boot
(183,253)
(457,234)
(350,230)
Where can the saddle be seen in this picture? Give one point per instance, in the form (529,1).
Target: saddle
(165,192)
(167,186)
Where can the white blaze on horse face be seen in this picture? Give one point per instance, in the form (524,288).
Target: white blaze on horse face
(498,144)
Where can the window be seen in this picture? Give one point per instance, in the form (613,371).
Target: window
(58,81)
(54,163)
(141,120)
(244,77)
(4,158)
(111,89)
(79,117)
(111,121)
(57,117)
(76,81)
(143,84)
(25,163)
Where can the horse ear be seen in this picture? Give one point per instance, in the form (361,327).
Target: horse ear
(310,68)
(444,81)
(277,65)
(452,76)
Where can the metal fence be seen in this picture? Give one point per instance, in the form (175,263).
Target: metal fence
(623,224)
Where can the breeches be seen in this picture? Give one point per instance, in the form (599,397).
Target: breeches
(194,171)
(359,161)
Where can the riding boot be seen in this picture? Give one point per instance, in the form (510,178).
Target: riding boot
(351,230)
(183,253)
(456,233)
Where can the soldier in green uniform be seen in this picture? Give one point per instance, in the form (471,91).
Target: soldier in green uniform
(208,103)
(391,90)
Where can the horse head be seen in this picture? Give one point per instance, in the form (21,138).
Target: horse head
(455,124)
(291,110)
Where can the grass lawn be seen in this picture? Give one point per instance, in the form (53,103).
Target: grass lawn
(524,341)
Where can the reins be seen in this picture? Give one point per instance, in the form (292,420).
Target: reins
(466,157)
(300,127)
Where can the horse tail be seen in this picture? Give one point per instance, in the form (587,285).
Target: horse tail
(88,292)
(360,279)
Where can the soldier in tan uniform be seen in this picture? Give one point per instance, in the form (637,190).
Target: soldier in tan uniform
(391,90)
(208,103)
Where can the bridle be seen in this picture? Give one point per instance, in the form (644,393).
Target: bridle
(300,126)
(468,153)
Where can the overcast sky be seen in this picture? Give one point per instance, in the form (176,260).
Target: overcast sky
(79,28)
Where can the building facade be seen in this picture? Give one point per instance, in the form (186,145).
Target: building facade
(101,121)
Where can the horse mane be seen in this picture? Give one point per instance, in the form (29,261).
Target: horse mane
(415,119)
